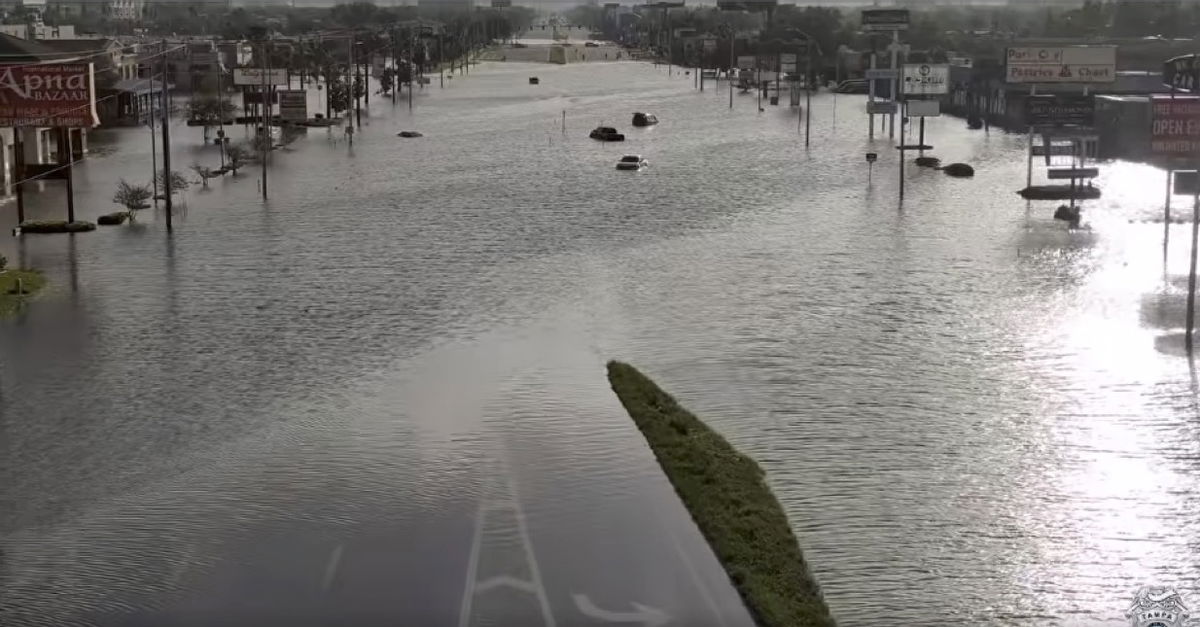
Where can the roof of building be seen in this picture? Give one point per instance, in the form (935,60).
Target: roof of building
(17,50)
(82,46)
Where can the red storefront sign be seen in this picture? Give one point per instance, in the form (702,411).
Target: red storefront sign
(1175,127)
(50,94)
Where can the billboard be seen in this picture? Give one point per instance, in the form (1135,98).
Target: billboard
(293,105)
(1057,110)
(746,62)
(51,94)
(1175,127)
(1078,64)
(922,79)
(254,76)
(885,19)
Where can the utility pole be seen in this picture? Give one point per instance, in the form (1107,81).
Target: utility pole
(349,80)
(166,138)
(1191,301)
(355,87)
(441,78)
(153,142)
(808,80)
(895,83)
(729,72)
(221,107)
(412,66)
(19,162)
(265,138)
(395,66)
(66,159)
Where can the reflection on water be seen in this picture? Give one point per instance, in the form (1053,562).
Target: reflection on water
(969,412)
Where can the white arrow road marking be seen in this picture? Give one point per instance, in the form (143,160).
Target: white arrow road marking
(505,580)
(331,568)
(645,615)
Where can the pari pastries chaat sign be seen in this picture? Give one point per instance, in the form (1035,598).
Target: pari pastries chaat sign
(50,94)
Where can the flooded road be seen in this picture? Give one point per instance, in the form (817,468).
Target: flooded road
(384,389)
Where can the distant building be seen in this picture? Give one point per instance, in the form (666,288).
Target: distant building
(198,7)
(426,7)
(110,9)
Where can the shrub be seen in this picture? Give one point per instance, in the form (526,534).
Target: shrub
(57,226)
(113,219)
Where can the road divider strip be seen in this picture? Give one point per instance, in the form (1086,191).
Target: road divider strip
(729,500)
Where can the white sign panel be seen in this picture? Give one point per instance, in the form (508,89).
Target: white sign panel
(788,57)
(926,79)
(746,63)
(880,74)
(924,108)
(254,76)
(787,68)
(1079,64)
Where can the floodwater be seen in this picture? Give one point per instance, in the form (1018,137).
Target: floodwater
(969,413)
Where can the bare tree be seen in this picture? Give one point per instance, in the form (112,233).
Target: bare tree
(236,156)
(178,182)
(204,172)
(132,196)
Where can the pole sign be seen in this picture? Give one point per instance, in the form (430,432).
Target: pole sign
(884,19)
(1181,73)
(254,76)
(924,108)
(1186,182)
(1175,127)
(52,94)
(293,105)
(746,62)
(872,157)
(881,107)
(788,57)
(880,74)
(1060,109)
(1077,64)
(921,79)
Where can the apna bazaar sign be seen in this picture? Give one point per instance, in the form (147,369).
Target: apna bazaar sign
(48,94)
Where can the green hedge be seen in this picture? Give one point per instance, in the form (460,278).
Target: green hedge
(728,498)
(113,219)
(57,226)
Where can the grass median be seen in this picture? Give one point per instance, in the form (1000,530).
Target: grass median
(727,496)
(31,282)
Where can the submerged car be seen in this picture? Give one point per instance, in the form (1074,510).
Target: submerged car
(632,162)
(644,119)
(533,80)
(606,134)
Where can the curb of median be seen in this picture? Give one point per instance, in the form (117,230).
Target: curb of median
(727,497)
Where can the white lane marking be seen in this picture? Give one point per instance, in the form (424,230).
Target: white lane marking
(645,615)
(335,558)
(547,616)
(506,581)
(464,613)
(691,568)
